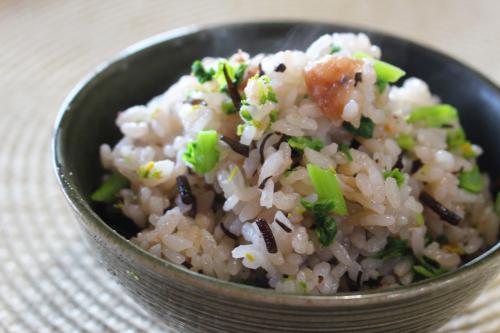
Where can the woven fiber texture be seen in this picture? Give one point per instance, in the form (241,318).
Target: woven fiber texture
(48,280)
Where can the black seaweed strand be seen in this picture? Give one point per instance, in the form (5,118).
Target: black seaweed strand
(237,147)
(186,195)
(280,68)
(262,146)
(283,226)
(443,212)
(399,162)
(227,232)
(232,90)
(355,144)
(358,77)
(417,164)
(263,184)
(261,71)
(266,232)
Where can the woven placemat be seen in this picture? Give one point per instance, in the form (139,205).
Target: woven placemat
(48,280)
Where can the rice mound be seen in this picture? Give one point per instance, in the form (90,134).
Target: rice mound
(223,238)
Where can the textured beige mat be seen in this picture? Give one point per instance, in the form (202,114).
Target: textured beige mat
(48,281)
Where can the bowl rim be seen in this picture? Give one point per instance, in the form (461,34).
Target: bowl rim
(220,287)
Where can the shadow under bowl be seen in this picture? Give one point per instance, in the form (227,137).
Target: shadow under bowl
(197,303)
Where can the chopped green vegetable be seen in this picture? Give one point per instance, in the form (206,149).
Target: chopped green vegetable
(273,115)
(327,187)
(344,148)
(456,141)
(405,141)
(423,271)
(397,175)
(471,181)
(466,150)
(201,73)
(240,73)
(245,113)
(428,268)
(265,91)
(419,218)
(239,129)
(320,207)
(381,85)
(394,248)
(335,49)
(365,129)
(455,138)
(385,71)
(326,230)
(221,78)
(203,153)
(109,188)
(442,239)
(302,285)
(427,239)
(299,143)
(434,116)
(326,226)
(228,107)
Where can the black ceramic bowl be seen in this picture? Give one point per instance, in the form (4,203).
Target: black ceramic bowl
(200,303)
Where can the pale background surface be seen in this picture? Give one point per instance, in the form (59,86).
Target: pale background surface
(48,281)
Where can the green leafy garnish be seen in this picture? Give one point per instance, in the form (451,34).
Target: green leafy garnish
(335,49)
(434,116)
(428,268)
(109,188)
(245,113)
(326,226)
(273,115)
(299,143)
(320,207)
(427,239)
(265,91)
(239,129)
(405,141)
(381,85)
(221,78)
(455,138)
(203,153)
(471,181)
(228,107)
(419,218)
(239,74)
(201,73)
(456,141)
(397,175)
(386,73)
(327,187)
(326,230)
(421,270)
(442,239)
(394,248)
(344,148)
(365,129)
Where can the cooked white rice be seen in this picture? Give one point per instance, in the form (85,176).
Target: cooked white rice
(225,241)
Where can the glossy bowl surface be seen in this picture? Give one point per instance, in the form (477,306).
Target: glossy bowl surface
(198,303)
